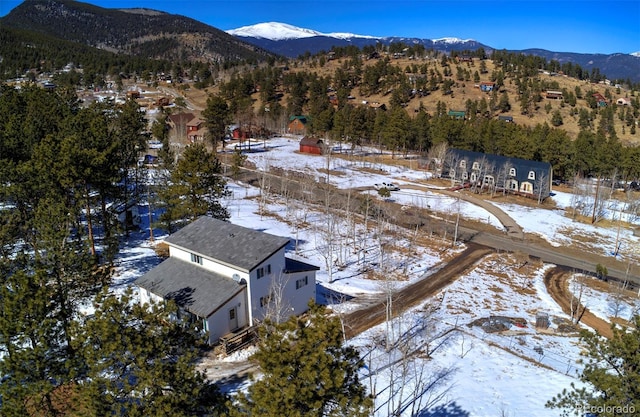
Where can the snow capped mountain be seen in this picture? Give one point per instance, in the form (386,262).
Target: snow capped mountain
(635,54)
(276,31)
(451,40)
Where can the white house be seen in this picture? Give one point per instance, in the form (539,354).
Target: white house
(228,277)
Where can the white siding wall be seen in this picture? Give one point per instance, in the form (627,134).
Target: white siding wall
(299,298)
(208,264)
(147,297)
(219,324)
(262,287)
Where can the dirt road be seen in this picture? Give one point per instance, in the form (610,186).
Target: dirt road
(360,320)
(557,282)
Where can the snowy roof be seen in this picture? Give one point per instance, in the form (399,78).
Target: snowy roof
(226,243)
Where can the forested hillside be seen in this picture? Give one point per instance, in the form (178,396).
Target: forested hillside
(405,104)
(136,32)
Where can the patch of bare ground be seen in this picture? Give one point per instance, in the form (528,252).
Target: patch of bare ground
(514,199)
(332,172)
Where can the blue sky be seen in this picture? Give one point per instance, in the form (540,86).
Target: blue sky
(584,26)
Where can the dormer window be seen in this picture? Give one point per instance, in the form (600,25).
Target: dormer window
(512,172)
(476,166)
(463,164)
(196,258)
(532,175)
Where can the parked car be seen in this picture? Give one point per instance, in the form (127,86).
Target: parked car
(388,185)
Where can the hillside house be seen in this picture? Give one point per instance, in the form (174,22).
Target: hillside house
(508,119)
(378,106)
(601,101)
(178,127)
(196,130)
(226,277)
(623,101)
(486,171)
(297,125)
(457,114)
(554,95)
(312,145)
(487,86)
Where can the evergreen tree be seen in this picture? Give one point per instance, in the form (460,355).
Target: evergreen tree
(611,373)
(141,361)
(307,371)
(556,118)
(217,116)
(195,189)
(504,105)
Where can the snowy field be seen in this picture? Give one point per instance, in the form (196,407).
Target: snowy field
(474,373)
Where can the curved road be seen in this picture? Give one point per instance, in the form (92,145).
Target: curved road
(357,321)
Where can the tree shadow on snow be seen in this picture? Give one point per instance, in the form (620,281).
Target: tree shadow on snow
(447,410)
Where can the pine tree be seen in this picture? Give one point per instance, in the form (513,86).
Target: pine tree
(611,373)
(195,189)
(216,116)
(140,361)
(307,371)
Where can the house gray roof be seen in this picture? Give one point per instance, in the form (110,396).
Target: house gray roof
(192,287)
(292,265)
(227,243)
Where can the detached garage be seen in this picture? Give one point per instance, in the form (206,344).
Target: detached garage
(311,145)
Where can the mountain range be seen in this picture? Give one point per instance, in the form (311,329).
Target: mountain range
(291,41)
(155,34)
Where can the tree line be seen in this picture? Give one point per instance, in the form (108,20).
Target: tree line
(596,150)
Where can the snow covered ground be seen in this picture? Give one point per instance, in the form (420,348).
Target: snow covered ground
(479,373)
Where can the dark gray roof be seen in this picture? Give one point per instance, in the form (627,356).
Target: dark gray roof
(523,165)
(292,265)
(227,243)
(192,287)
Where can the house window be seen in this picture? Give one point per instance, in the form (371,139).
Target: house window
(264,301)
(532,175)
(261,271)
(512,172)
(476,166)
(463,164)
(465,176)
(302,282)
(196,258)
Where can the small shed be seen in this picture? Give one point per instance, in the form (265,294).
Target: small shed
(311,145)
(508,119)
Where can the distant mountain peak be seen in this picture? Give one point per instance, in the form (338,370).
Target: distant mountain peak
(635,54)
(451,40)
(277,31)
